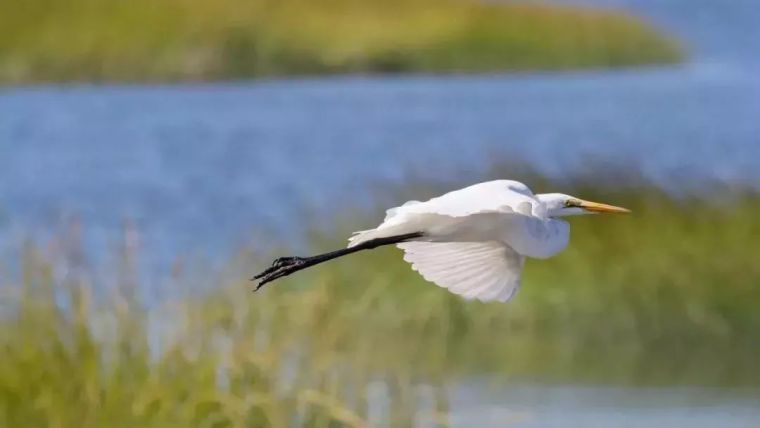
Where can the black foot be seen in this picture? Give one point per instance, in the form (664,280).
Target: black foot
(282,266)
(284,261)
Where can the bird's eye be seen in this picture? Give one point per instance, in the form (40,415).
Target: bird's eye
(568,203)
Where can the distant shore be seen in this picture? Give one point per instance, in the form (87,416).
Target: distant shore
(180,40)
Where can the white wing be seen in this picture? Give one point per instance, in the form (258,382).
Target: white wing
(486,271)
(504,196)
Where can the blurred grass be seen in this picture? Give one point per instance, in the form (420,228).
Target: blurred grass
(667,295)
(138,40)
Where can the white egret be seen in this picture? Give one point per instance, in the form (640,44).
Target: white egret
(472,241)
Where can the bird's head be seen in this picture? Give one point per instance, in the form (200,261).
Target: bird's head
(561,205)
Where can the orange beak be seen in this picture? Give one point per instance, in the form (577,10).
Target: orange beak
(596,207)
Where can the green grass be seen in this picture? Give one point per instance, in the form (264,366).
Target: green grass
(666,295)
(169,40)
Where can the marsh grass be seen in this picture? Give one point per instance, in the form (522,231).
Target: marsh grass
(668,295)
(74,357)
(139,40)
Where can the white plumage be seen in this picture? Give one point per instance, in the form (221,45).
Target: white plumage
(474,240)
(474,270)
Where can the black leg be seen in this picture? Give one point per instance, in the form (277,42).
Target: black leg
(285,266)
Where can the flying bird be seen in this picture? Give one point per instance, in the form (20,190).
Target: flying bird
(472,241)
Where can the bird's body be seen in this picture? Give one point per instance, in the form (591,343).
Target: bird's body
(502,210)
(472,241)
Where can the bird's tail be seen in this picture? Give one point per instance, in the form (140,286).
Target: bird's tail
(394,224)
(396,231)
(364,236)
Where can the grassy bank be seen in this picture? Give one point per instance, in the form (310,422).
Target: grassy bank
(144,40)
(667,295)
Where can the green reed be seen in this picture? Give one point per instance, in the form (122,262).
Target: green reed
(666,295)
(168,40)
(76,357)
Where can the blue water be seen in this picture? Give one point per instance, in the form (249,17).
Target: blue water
(197,168)
(583,406)
(196,165)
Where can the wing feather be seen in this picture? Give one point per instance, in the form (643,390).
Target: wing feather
(486,271)
(501,196)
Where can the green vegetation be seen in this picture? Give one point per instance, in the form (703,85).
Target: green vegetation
(667,295)
(137,40)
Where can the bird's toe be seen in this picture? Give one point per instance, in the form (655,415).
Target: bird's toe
(283,261)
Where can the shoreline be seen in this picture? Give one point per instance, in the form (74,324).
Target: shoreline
(342,77)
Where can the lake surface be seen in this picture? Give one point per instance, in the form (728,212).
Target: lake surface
(197,167)
(570,406)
